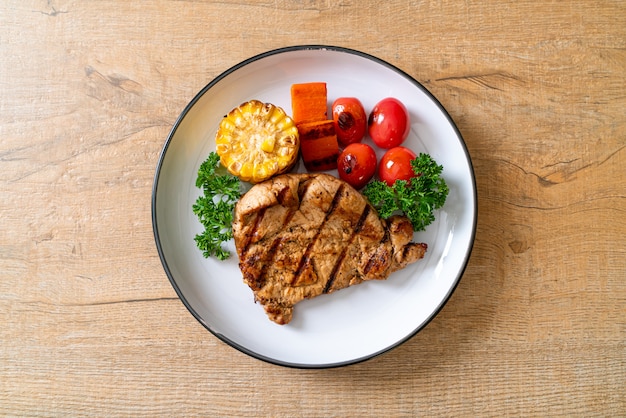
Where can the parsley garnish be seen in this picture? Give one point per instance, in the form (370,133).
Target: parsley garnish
(417,199)
(215,207)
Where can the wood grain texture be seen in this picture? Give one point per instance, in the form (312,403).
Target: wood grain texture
(90,323)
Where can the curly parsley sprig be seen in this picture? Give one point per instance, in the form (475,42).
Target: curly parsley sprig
(417,199)
(215,207)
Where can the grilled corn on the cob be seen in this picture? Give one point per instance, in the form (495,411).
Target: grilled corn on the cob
(257,140)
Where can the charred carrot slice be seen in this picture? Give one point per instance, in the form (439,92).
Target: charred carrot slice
(318,145)
(308,102)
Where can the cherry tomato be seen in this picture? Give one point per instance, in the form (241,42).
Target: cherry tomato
(357,164)
(396,165)
(350,120)
(389,123)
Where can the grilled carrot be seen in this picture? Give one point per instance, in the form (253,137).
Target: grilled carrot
(318,145)
(308,102)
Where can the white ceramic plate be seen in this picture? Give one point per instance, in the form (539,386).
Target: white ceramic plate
(353,324)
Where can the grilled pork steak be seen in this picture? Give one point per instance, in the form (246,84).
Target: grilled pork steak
(302,235)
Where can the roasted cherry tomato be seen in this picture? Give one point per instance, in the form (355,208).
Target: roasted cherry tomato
(357,164)
(396,165)
(389,123)
(350,120)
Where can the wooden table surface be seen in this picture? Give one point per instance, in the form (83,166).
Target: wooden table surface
(90,322)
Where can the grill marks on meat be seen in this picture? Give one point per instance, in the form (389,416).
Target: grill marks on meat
(340,260)
(302,235)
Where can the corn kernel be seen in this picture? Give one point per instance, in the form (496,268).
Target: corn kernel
(268,144)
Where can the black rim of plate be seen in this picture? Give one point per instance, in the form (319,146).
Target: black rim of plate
(173,132)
